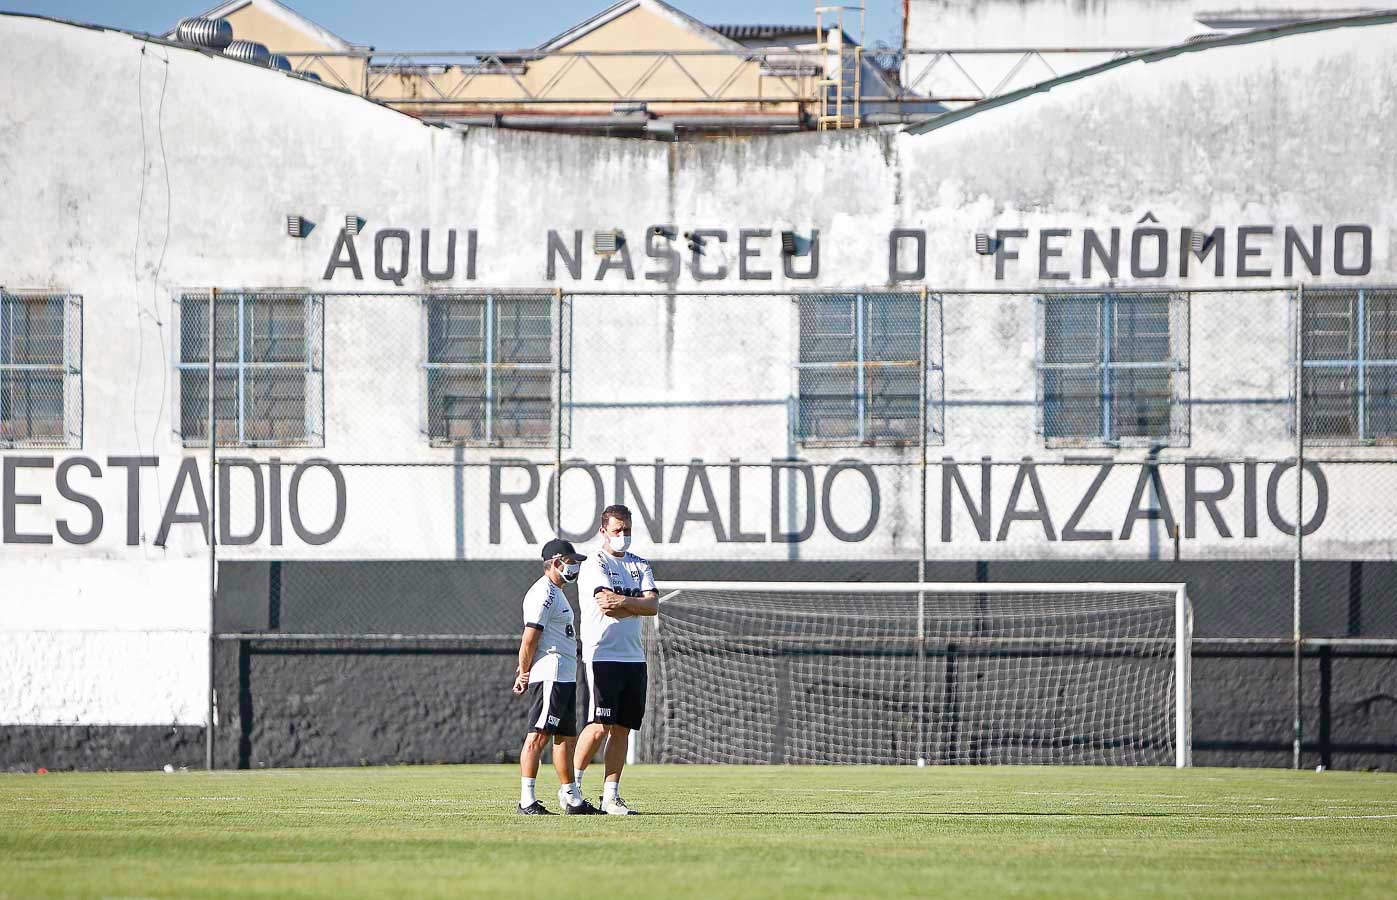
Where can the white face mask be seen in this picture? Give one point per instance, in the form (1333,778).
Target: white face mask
(569,571)
(619,543)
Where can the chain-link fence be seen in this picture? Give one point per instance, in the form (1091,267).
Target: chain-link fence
(41,403)
(389,465)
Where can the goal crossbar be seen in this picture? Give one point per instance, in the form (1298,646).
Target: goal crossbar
(937,587)
(1183,618)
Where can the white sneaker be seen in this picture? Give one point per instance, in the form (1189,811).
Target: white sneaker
(617,807)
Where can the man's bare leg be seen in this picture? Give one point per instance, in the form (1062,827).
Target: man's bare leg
(563,749)
(569,795)
(617,740)
(587,744)
(531,753)
(529,756)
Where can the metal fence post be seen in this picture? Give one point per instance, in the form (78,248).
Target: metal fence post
(925,687)
(1296,633)
(556,501)
(212,711)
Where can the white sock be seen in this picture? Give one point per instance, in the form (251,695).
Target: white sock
(569,794)
(577,781)
(610,790)
(526,792)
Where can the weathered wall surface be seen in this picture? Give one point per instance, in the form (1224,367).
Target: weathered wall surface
(145,170)
(1086,23)
(1054,26)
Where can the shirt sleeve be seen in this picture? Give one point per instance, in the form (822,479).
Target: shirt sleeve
(536,603)
(647,576)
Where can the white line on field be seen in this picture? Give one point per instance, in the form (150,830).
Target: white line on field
(1372,801)
(1312,818)
(1147,815)
(1094,794)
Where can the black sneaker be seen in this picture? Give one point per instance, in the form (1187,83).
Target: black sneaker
(582,809)
(534,809)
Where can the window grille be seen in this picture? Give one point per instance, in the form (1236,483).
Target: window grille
(41,403)
(268,373)
(1113,369)
(1350,365)
(860,369)
(490,372)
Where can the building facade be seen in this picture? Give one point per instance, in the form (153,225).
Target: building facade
(1080,305)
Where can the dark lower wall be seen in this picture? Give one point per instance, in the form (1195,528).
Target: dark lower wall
(329,703)
(1243,708)
(28,748)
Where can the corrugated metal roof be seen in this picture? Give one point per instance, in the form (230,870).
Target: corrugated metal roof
(763,32)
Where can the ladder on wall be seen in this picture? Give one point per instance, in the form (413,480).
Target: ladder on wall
(841,83)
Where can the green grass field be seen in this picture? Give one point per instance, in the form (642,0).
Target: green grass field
(707,831)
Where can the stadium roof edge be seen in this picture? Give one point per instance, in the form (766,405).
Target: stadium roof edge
(1384,17)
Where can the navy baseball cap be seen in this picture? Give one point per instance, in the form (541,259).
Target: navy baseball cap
(560,547)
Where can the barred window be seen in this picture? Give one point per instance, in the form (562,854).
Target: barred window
(1113,369)
(1350,375)
(490,369)
(859,374)
(268,371)
(40,370)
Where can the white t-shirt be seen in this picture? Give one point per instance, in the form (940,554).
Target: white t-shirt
(546,608)
(603,638)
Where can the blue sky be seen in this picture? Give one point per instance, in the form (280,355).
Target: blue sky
(452,24)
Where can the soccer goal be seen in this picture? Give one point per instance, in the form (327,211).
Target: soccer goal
(938,673)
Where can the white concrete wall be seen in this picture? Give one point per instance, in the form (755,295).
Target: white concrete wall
(133,171)
(1060,24)
(1090,23)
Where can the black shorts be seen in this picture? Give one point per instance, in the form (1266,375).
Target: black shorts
(553,707)
(618,693)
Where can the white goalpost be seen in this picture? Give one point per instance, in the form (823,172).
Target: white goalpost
(938,673)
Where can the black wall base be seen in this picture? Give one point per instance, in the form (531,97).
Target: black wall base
(28,748)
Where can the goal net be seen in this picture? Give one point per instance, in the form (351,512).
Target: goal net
(964,673)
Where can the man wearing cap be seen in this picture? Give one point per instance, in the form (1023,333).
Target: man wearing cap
(548,671)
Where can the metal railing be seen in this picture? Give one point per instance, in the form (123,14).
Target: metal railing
(887,81)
